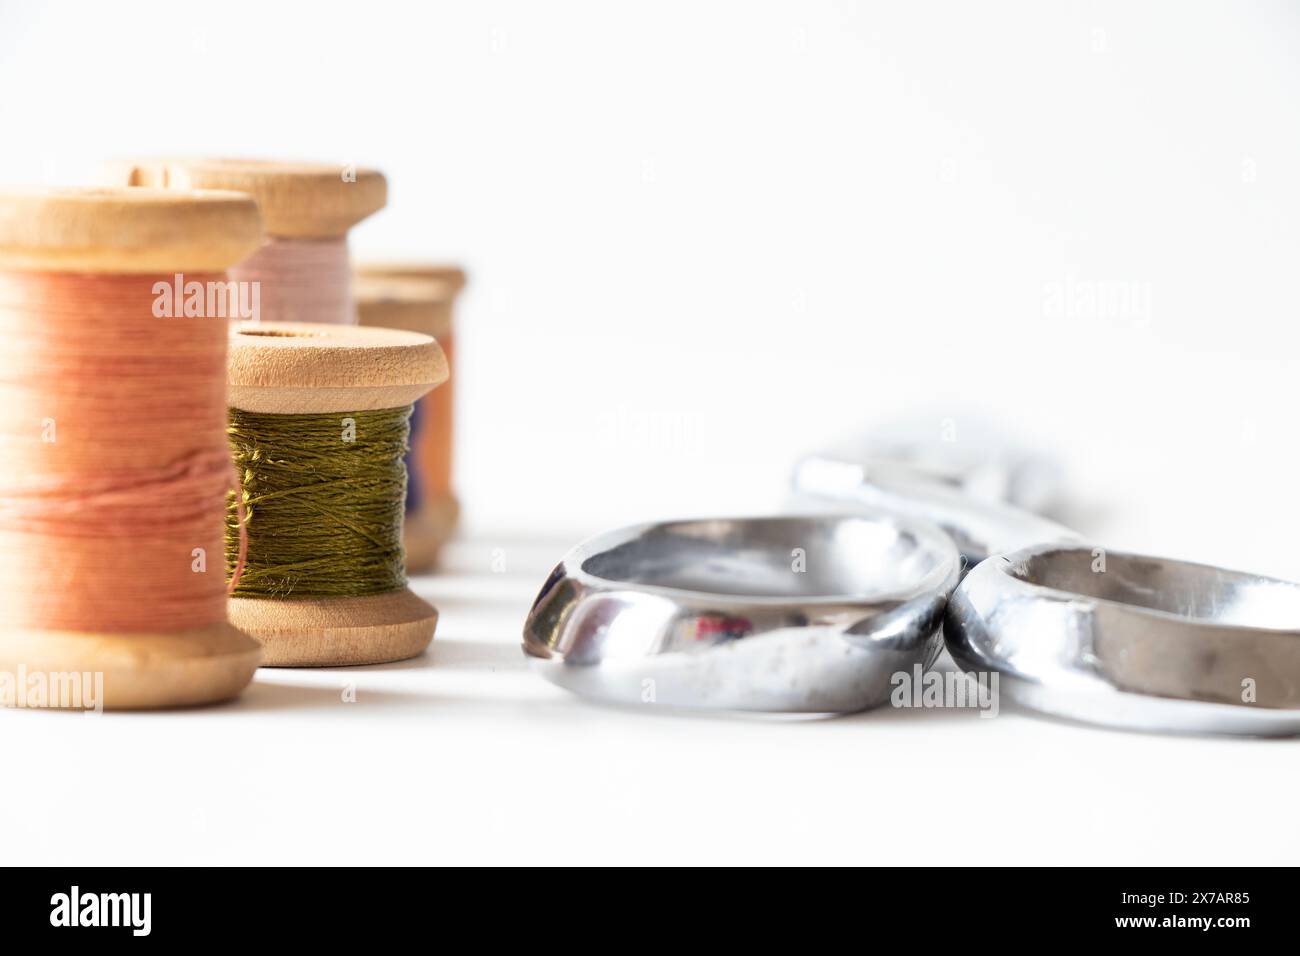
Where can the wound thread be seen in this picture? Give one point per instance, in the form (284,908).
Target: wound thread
(323,497)
(111,427)
(301,280)
(432,443)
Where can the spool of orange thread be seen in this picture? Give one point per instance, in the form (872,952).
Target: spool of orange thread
(312,370)
(112,428)
(302,269)
(421,298)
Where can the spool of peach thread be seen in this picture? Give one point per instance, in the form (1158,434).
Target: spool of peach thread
(112,422)
(421,297)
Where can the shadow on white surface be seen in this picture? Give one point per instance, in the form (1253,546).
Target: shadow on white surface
(268,695)
(452,654)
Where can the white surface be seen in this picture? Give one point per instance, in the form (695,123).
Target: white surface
(703,237)
(465,756)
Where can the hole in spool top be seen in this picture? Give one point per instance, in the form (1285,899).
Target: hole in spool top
(278,334)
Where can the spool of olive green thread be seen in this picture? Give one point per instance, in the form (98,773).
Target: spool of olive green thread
(319,428)
(323,500)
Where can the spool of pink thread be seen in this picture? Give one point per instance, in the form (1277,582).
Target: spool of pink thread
(301,272)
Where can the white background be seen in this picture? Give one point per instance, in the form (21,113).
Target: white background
(704,237)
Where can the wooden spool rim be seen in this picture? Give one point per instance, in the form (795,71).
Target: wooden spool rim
(415,290)
(453,277)
(415,304)
(299,368)
(121,230)
(337,632)
(144,670)
(299,200)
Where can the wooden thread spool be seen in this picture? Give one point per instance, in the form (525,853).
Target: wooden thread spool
(307,208)
(87,514)
(283,368)
(421,298)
